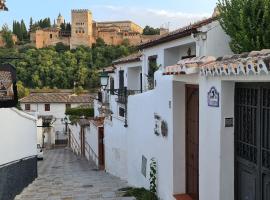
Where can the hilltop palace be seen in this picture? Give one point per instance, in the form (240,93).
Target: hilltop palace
(85,31)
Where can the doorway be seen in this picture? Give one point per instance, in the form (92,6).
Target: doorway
(252,141)
(101,153)
(192,141)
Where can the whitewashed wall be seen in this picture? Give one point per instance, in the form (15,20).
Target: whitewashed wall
(143,142)
(57,110)
(115,141)
(125,67)
(75,131)
(18,135)
(217,142)
(91,137)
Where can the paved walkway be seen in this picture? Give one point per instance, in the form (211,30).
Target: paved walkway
(64,176)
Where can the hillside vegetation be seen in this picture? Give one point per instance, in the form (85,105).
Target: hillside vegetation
(59,67)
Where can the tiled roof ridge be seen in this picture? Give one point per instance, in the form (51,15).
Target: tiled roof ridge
(248,63)
(55,98)
(181,32)
(130,58)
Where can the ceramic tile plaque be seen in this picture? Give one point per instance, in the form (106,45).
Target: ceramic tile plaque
(213,97)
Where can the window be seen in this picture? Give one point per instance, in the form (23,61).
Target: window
(51,36)
(68,105)
(121,79)
(27,107)
(112,85)
(121,112)
(152,68)
(47,107)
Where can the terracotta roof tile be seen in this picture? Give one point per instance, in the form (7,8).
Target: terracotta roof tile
(56,98)
(252,63)
(131,58)
(98,121)
(179,33)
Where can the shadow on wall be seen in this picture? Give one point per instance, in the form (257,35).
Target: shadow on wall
(15,176)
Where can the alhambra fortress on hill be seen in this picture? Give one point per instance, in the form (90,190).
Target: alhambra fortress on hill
(85,31)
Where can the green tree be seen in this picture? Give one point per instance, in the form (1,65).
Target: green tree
(7,36)
(22,91)
(247,22)
(148,30)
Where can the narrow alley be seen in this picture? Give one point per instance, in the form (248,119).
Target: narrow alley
(65,176)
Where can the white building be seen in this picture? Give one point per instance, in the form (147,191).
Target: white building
(51,108)
(18,151)
(159,118)
(86,139)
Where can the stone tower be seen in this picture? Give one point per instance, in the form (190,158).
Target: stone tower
(81,31)
(60,20)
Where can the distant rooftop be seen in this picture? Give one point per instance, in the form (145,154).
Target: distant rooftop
(179,33)
(56,98)
(131,58)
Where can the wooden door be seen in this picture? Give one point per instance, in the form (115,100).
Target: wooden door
(192,141)
(101,153)
(82,136)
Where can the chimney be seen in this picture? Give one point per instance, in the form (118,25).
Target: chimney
(216,12)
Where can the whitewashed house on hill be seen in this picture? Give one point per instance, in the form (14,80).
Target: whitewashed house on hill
(162,122)
(51,107)
(18,151)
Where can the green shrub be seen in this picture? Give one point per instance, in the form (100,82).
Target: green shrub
(139,193)
(86,112)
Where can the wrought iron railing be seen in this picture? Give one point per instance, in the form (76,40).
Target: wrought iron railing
(91,155)
(123,95)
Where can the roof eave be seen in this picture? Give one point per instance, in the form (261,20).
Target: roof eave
(127,61)
(168,39)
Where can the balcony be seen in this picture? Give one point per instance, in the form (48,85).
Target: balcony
(124,93)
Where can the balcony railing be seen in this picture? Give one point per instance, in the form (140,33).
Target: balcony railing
(123,95)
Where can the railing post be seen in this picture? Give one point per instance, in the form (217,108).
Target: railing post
(126,102)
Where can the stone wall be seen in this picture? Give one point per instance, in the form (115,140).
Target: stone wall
(85,32)
(81,33)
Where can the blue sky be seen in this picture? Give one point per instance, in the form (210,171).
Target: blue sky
(144,12)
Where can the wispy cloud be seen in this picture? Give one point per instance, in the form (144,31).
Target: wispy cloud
(153,17)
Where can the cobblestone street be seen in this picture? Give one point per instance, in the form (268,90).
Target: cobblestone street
(64,176)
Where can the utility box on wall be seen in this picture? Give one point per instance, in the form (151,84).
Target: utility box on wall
(8,87)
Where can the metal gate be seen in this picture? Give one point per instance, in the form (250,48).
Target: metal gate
(252,141)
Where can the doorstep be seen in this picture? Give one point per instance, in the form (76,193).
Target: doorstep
(182,197)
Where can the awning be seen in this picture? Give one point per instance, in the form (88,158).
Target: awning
(253,63)
(188,66)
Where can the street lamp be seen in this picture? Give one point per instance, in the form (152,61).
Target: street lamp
(122,93)
(3,6)
(104,79)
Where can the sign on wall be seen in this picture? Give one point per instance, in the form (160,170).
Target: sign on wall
(8,88)
(213,97)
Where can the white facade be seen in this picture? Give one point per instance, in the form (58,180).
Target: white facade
(75,139)
(57,111)
(92,142)
(18,135)
(125,147)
